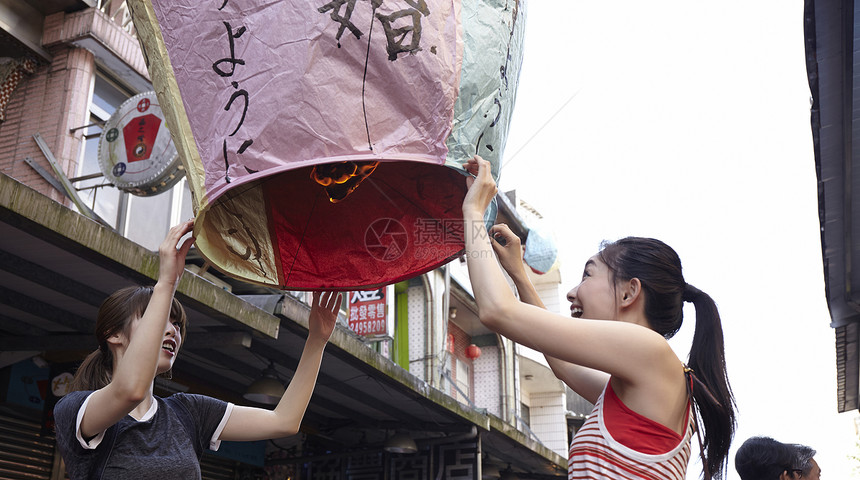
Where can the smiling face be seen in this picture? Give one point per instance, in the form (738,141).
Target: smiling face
(595,297)
(170,345)
(171,342)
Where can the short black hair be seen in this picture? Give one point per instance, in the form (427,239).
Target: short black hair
(763,458)
(803,458)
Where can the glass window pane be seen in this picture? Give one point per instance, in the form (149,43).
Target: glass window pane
(107,97)
(90,161)
(186,210)
(103,200)
(463,380)
(148,218)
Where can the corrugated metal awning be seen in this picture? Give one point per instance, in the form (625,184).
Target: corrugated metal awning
(832,40)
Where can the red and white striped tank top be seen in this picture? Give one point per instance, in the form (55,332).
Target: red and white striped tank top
(596,454)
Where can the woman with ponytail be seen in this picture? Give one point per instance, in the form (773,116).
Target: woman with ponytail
(112,426)
(614,350)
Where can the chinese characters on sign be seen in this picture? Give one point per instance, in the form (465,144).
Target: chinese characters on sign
(140,134)
(367,312)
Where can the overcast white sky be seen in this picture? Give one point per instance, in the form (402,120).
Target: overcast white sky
(688,121)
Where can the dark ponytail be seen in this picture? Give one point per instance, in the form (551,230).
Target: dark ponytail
(713,396)
(115,316)
(658,268)
(94,372)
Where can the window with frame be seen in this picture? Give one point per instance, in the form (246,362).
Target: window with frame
(93,189)
(463,378)
(144,220)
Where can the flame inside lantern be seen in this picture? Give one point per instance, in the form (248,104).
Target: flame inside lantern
(341,179)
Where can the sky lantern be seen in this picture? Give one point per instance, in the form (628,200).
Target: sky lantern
(324,141)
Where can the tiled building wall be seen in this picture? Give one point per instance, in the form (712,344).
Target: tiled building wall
(55,98)
(51,101)
(461,340)
(417,334)
(487,381)
(548,421)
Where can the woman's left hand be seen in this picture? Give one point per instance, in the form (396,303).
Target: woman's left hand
(508,248)
(171,255)
(323,315)
(251,423)
(482,188)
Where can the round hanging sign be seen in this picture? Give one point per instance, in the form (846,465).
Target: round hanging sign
(136,152)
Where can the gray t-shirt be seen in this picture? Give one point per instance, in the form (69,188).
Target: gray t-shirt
(159,447)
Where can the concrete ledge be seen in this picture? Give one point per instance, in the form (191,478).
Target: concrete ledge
(343,339)
(114,47)
(497,424)
(29,210)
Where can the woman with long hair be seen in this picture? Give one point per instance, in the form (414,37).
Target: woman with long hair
(613,351)
(112,426)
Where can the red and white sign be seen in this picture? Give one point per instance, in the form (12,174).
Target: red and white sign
(368,312)
(136,152)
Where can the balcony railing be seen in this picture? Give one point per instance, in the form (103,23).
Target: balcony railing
(118,12)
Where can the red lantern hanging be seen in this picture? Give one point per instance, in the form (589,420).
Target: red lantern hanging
(473,352)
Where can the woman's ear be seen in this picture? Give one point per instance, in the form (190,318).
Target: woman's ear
(630,291)
(115,339)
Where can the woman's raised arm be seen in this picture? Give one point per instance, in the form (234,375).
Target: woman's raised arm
(631,352)
(587,382)
(252,423)
(137,357)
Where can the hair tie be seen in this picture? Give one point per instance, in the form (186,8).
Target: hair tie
(691,293)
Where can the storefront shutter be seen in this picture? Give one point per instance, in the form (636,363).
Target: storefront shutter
(24,453)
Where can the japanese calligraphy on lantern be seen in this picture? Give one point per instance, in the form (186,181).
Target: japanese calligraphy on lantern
(301,123)
(238,93)
(262,95)
(368,312)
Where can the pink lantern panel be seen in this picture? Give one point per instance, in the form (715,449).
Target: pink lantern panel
(324,140)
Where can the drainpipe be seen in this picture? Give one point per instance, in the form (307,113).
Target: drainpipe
(446,303)
(503,367)
(428,331)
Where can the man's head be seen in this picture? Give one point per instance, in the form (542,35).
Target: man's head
(805,467)
(763,458)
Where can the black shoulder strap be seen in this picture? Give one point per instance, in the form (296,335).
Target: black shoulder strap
(104,452)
